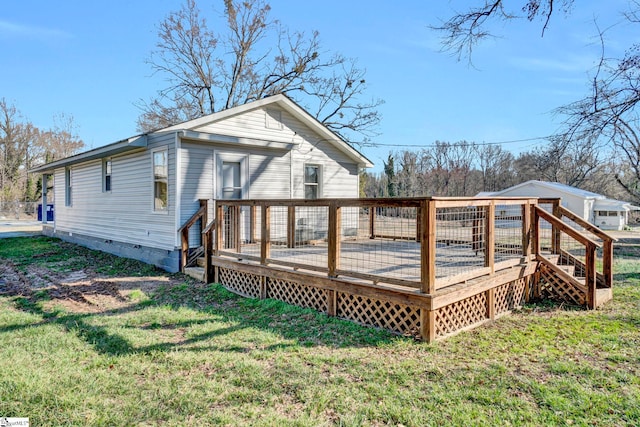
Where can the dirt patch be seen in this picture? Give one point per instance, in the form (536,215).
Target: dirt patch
(79,291)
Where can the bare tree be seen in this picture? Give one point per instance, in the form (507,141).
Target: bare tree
(253,57)
(607,113)
(23,146)
(464,30)
(496,166)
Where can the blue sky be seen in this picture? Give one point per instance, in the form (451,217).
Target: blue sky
(86,59)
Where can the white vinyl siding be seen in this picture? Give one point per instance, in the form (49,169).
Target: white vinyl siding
(124,215)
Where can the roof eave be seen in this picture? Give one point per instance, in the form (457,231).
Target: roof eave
(128,144)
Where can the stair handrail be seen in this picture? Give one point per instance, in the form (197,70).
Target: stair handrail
(585,224)
(184,232)
(555,221)
(207,244)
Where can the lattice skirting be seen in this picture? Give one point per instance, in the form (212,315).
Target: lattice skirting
(477,308)
(298,294)
(383,314)
(245,284)
(460,314)
(511,295)
(377,312)
(553,287)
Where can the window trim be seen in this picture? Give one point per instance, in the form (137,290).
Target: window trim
(164,210)
(317,184)
(243,159)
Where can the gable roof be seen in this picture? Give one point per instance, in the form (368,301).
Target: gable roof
(600,201)
(280,100)
(554,186)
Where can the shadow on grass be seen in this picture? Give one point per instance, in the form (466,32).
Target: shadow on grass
(227,313)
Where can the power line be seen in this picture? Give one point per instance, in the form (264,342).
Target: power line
(464,143)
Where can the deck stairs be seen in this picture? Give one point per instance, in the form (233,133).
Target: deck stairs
(563,277)
(196,263)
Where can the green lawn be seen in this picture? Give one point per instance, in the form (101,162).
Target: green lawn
(131,345)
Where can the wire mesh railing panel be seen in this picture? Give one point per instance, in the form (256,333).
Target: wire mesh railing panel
(508,226)
(395,250)
(395,222)
(544,231)
(592,236)
(460,240)
(301,240)
(229,231)
(572,257)
(252,230)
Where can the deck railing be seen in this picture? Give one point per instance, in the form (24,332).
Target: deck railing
(574,249)
(420,243)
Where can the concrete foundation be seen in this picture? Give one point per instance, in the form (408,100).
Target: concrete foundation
(168,260)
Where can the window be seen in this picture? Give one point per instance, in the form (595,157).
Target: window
(160,181)
(106,176)
(312,188)
(231,184)
(68,186)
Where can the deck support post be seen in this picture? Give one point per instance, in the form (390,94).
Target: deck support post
(263,287)
(265,241)
(372,222)
(428,246)
(555,232)
(427,325)
(252,224)
(491,303)
(184,248)
(291,226)
(490,237)
(332,300)
(590,279)
(335,227)
(607,263)
(237,226)
(526,230)
(219,233)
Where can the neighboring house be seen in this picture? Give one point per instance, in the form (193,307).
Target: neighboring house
(131,197)
(608,214)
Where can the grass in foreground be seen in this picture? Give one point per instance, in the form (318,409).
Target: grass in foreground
(182,353)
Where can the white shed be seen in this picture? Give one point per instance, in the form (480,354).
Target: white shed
(608,214)
(131,197)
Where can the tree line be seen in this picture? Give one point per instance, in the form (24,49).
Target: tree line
(23,146)
(464,169)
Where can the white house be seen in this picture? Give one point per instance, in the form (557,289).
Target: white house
(131,197)
(608,214)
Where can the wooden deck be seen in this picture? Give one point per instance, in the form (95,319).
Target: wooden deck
(425,267)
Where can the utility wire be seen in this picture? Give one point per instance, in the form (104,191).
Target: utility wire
(465,143)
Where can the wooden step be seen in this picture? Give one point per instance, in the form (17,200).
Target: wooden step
(200,262)
(195,272)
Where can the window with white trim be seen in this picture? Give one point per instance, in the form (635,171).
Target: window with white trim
(160,181)
(106,176)
(312,180)
(68,186)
